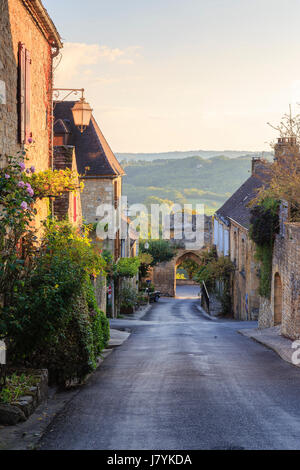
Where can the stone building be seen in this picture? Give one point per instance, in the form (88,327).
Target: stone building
(68,205)
(231,238)
(283,306)
(29,41)
(97,165)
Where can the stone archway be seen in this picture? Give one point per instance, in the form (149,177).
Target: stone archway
(277,299)
(164,274)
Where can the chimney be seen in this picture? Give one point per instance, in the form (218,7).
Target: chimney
(258,166)
(286,147)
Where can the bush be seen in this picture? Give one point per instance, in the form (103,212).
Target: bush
(264,222)
(160,250)
(128,298)
(127,267)
(53,320)
(264,225)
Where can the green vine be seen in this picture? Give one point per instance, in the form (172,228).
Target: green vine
(264,225)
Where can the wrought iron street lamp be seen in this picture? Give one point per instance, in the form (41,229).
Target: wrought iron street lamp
(82,112)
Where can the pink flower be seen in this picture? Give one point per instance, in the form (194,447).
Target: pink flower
(30,191)
(21,184)
(22,166)
(24,206)
(32,169)
(6,176)
(30,140)
(28,170)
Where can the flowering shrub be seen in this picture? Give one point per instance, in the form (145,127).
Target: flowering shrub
(17,237)
(48,314)
(55,182)
(52,320)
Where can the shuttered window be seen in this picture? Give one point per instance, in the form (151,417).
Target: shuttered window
(74,208)
(24,94)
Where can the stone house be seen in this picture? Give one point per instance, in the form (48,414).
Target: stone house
(29,42)
(97,165)
(231,238)
(283,307)
(68,205)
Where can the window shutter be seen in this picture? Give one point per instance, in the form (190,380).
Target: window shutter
(74,208)
(27,95)
(22,92)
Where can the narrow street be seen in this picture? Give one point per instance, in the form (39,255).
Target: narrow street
(182,381)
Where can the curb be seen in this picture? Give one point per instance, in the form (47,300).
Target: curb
(205,315)
(26,435)
(269,345)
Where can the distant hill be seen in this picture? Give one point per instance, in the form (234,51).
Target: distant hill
(187,180)
(190,153)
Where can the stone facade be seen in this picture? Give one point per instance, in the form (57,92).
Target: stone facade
(284,304)
(21,23)
(163,275)
(245,282)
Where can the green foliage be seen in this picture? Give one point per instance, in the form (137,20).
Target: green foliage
(129,297)
(264,225)
(17,385)
(264,254)
(179,180)
(127,267)
(264,221)
(53,320)
(16,216)
(145,263)
(160,250)
(190,266)
(217,269)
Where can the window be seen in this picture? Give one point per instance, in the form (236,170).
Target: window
(24,94)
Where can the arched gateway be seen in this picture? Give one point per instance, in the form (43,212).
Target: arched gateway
(164,274)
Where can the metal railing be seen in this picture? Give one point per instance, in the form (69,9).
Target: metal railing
(204,297)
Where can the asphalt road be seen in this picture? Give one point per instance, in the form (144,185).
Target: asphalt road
(182,381)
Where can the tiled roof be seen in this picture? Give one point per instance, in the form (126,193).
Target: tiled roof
(91,148)
(236,207)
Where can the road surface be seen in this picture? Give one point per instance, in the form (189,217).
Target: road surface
(182,381)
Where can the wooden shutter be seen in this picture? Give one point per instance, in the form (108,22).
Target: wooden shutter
(22,92)
(116,195)
(74,208)
(27,96)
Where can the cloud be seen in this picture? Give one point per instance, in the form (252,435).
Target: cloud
(78,58)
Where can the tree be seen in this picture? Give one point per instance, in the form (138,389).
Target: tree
(190,266)
(160,250)
(283,175)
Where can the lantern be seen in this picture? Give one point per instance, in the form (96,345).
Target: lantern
(82,113)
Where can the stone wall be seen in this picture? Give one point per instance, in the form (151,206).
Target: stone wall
(164,278)
(164,274)
(286,262)
(96,191)
(265,319)
(284,306)
(17,25)
(245,282)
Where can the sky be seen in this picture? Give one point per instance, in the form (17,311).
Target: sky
(166,75)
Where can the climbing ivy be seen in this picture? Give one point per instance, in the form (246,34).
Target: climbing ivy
(264,225)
